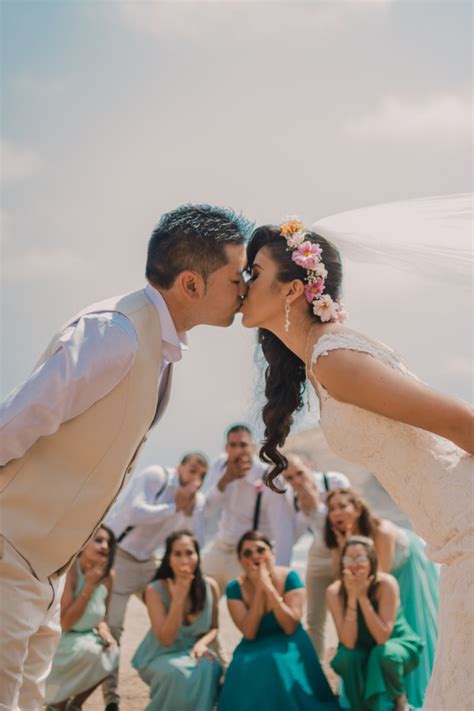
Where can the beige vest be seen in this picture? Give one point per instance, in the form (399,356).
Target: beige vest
(53,498)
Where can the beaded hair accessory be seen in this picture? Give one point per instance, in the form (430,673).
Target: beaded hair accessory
(307,254)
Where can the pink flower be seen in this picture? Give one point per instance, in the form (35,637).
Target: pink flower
(259,486)
(326,308)
(341,312)
(313,289)
(307,255)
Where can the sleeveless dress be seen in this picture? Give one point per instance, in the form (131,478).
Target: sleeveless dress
(275,671)
(431,480)
(176,680)
(81,660)
(370,671)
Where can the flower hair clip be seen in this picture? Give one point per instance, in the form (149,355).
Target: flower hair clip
(307,254)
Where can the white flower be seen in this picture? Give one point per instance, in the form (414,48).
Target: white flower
(325,308)
(295,239)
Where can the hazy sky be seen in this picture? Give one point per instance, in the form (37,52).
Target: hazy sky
(114,112)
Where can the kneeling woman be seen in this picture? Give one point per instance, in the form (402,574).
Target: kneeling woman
(274,666)
(377,648)
(174,658)
(87,653)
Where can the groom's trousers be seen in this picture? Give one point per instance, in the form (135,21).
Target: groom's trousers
(30,630)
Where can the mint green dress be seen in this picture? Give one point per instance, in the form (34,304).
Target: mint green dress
(275,671)
(375,674)
(81,660)
(177,681)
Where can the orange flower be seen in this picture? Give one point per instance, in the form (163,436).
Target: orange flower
(290,227)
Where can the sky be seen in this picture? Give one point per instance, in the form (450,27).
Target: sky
(114,112)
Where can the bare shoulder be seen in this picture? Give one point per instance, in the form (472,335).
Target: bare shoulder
(387,583)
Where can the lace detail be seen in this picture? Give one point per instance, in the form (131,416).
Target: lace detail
(357,342)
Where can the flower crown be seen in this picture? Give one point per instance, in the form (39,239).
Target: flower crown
(308,255)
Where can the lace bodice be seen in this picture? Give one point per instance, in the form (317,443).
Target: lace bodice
(400,455)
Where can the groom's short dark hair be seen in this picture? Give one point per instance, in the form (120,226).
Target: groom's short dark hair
(192,237)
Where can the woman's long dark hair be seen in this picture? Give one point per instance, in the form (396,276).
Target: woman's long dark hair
(372,556)
(367,522)
(197,590)
(285,375)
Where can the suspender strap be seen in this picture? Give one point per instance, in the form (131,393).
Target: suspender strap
(157,496)
(256,513)
(295,503)
(326,481)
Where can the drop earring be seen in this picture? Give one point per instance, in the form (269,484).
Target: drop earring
(287,316)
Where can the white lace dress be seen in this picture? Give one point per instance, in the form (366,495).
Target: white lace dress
(432,481)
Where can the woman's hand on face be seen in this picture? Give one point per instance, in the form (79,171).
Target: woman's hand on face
(342,536)
(180,586)
(349,582)
(362,583)
(265,577)
(93,575)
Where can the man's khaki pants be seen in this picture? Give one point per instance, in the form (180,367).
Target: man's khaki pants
(219,561)
(131,578)
(318,577)
(29,630)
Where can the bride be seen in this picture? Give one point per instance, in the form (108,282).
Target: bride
(374,412)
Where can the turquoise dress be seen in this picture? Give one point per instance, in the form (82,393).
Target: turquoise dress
(176,680)
(418,579)
(375,674)
(81,660)
(275,671)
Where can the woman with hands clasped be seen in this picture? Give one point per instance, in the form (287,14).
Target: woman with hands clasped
(87,653)
(401,553)
(274,666)
(377,648)
(175,658)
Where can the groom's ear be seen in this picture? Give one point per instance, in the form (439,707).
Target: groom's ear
(294,289)
(191,285)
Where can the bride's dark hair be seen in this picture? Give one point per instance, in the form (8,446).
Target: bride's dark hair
(285,377)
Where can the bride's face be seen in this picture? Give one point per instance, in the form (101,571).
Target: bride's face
(264,304)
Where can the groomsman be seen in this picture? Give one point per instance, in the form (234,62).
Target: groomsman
(304,508)
(235,489)
(71,433)
(158,501)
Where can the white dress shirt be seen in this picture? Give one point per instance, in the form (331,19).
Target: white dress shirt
(237,502)
(91,358)
(147,507)
(293,522)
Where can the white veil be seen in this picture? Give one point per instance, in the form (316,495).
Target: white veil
(408,270)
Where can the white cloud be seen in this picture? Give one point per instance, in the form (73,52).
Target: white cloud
(40,265)
(18,162)
(445,115)
(189,17)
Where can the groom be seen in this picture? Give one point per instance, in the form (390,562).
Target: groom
(70,434)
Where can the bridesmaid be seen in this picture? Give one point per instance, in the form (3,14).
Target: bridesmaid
(87,653)
(377,648)
(175,658)
(275,665)
(401,553)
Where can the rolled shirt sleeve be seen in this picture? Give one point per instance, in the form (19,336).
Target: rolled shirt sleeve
(90,358)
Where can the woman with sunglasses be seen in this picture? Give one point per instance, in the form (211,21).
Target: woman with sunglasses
(175,658)
(377,647)
(275,665)
(401,553)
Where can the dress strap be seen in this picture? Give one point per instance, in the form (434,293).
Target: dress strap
(348,340)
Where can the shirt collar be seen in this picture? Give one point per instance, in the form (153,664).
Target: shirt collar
(177,341)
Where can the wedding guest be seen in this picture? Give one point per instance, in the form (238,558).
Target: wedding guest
(158,501)
(401,553)
(235,490)
(377,647)
(175,658)
(275,665)
(87,651)
(304,508)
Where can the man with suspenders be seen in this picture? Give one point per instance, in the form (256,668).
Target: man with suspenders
(158,501)
(235,489)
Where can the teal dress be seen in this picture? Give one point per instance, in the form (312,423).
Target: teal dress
(275,671)
(375,674)
(81,660)
(176,680)
(418,579)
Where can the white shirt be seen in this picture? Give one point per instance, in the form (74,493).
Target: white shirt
(148,506)
(90,359)
(237,503)
(293,522)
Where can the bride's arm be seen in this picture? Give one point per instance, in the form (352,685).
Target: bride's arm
(359,379)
